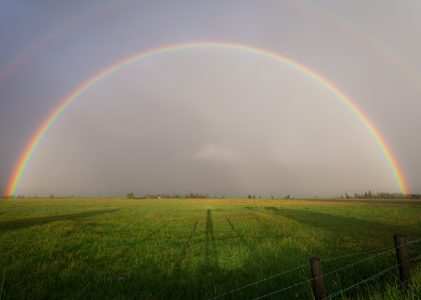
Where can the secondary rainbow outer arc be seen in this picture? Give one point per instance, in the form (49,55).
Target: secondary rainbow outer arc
(16,63)
(69,99)
(386,54)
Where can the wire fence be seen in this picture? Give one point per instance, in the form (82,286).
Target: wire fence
(326,274)
(379,251)
(259,281)
(371,278)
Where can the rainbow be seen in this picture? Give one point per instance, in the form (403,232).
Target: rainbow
(70,98)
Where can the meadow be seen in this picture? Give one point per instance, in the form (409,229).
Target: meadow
(199,249)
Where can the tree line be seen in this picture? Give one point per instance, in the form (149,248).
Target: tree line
(171,196)
(380,195)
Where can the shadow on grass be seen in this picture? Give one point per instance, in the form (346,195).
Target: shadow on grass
(256,258)
(147,237)
(183,253)
(335,224)
(266,229)
(29,222)
(269,230)
(211,255)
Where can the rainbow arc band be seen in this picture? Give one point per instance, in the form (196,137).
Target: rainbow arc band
(70,98)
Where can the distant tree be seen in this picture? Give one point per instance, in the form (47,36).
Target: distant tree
(130,196)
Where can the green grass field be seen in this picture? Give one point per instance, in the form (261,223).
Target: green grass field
(181,249)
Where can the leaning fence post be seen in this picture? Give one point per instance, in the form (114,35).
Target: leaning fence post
(402,258)
(317,274)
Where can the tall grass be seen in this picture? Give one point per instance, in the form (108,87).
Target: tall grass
(394,289)
(2,292)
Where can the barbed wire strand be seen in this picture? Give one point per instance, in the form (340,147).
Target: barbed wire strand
(385,250)
(284,289)
(371,278)
(369,251)
(259,281)
(356,254)
(413,241)
(326,274)
(358,262)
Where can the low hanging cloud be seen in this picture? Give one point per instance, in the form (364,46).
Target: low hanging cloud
(217,153)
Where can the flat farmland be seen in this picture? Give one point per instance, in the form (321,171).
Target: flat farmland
(202,248)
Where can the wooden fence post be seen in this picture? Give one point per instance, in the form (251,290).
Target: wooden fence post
(317,274)
(402,258)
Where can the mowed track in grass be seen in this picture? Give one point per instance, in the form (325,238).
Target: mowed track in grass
(178,249)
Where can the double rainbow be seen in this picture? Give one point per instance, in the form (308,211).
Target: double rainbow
(70,98)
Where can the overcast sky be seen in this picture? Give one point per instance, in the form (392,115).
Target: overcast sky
(216,121)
